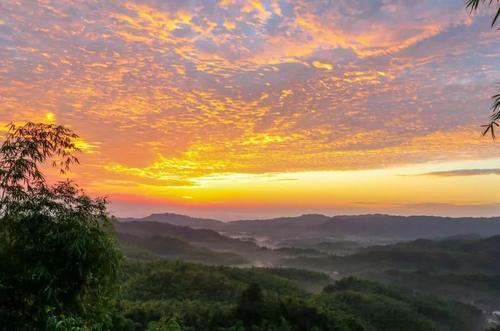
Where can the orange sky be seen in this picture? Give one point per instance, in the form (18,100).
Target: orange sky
(259,108)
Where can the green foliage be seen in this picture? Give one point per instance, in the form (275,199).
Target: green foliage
(164,280)
(222,298)
(59,263)
(63,323)
(22,152)
(307,280)
(68,265)
(480,289)
(389,308)
(251,309)
(163,325)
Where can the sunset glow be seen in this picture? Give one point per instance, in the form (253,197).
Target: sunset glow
(259,108)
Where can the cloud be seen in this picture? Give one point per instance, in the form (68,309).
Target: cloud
(321,65)
(174,90)
(464,172)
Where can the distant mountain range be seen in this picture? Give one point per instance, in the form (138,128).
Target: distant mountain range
(357,227)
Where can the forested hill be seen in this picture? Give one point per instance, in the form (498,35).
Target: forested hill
(464,269)
(206,237)
(180,296)
(448,255)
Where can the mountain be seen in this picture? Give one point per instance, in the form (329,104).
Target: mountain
(180,220)
(282,227)
(358,227)
(367,227)
(410,227)
(201,237)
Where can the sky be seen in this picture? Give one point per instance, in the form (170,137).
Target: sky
(248,109)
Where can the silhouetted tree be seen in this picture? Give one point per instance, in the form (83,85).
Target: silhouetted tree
(473,5)
(58,262)
(21,154)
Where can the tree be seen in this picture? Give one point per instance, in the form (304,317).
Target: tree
(58,261)
(251,309)
(164,325)
(23,151)
(473,5)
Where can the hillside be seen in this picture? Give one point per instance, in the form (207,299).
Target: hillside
(220,298)
(467,270)
(164,247)
(140,236)
(203,237)
(451,255)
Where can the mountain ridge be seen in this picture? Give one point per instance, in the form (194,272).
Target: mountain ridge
(374,226)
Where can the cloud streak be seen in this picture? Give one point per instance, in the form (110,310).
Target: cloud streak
(464,172)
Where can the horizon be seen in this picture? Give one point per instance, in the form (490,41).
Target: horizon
(256,109)
(227,220)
